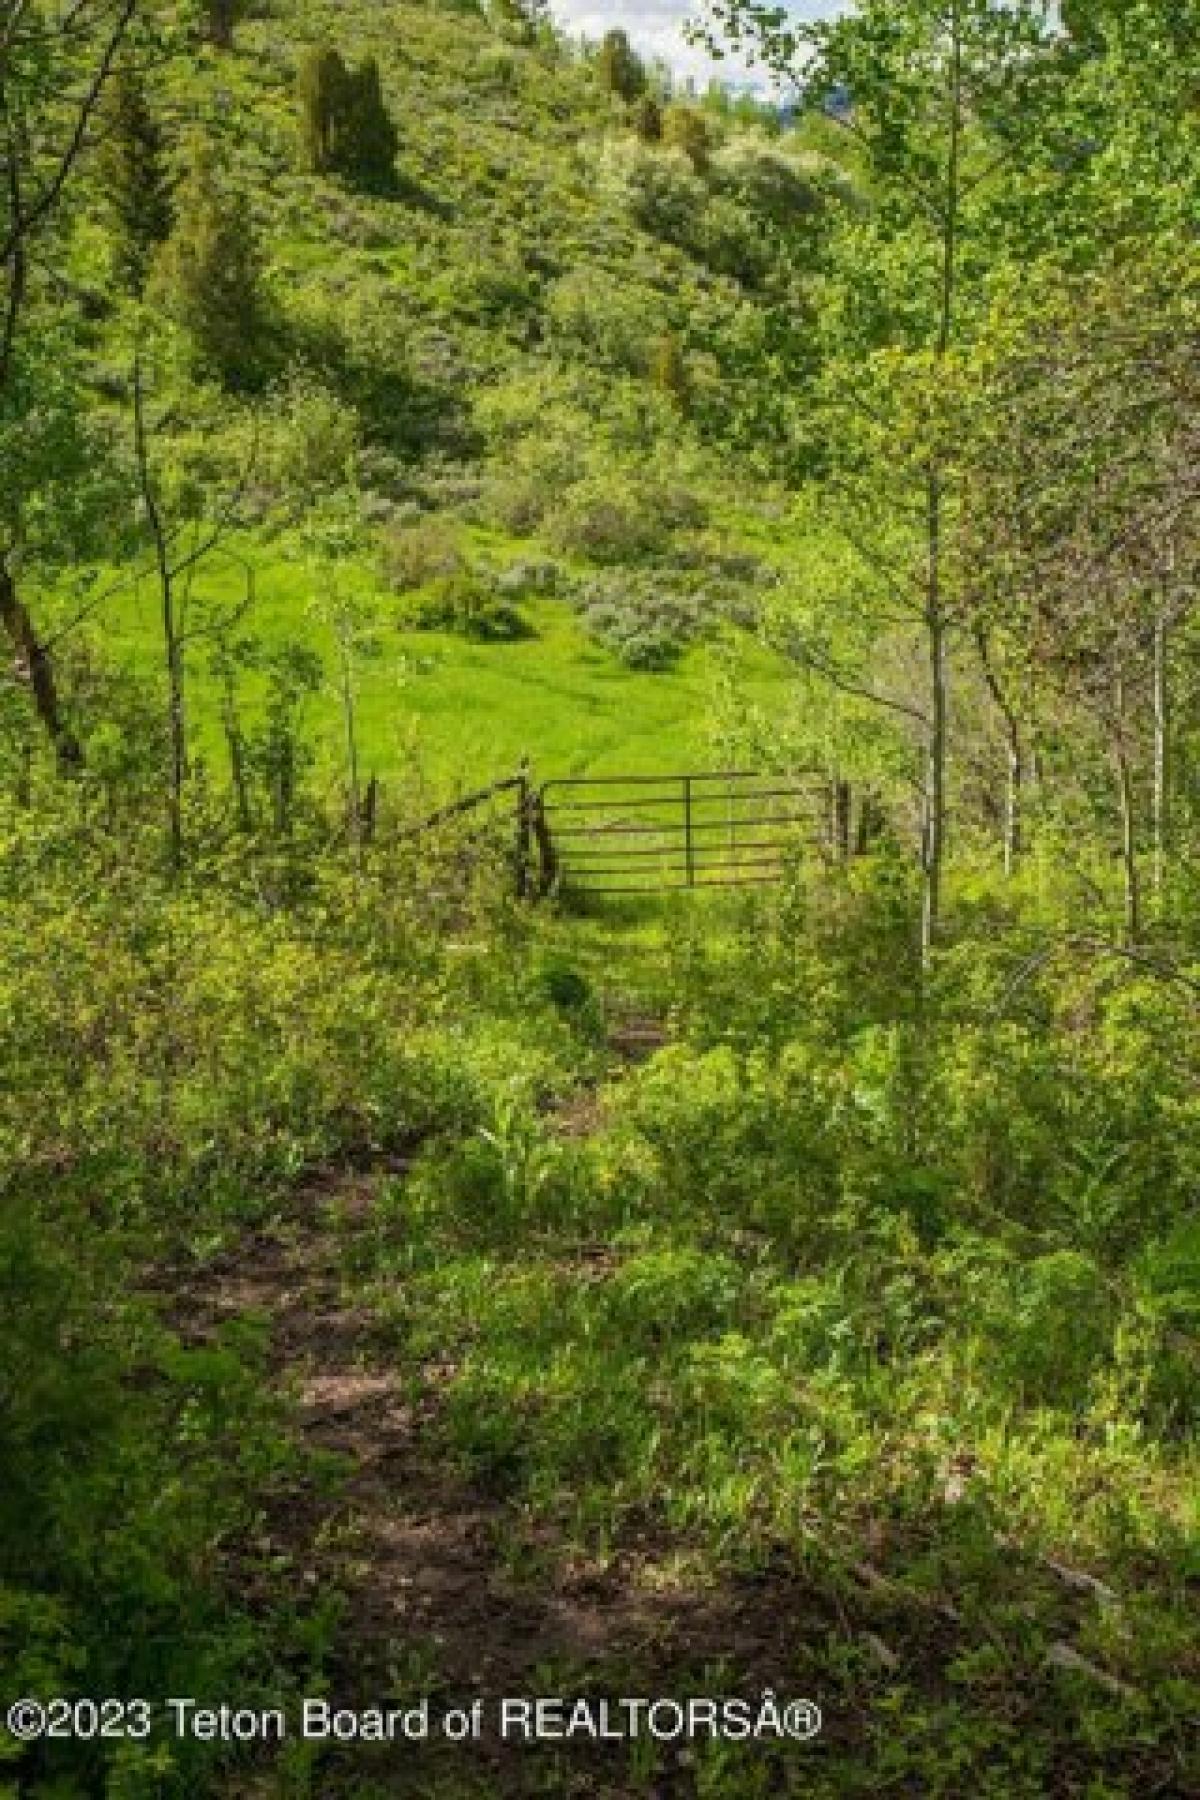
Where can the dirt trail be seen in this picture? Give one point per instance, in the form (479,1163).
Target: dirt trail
(448,1589)
(426,1562)
(430,1566)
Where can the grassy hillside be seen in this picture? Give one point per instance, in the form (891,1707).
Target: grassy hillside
(481,350)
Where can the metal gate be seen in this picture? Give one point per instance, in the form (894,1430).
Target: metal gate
(642,834)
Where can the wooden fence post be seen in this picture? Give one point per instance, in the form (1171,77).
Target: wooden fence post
(841,818)
(370,810)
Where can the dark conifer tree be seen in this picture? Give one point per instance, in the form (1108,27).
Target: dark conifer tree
(367,140)
(137,187)
(210,278)
(648,119)
(669,372)
(686,129)
(322,88)
(619,68)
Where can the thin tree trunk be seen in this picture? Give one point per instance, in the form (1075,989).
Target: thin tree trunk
(36,667)
(25,777)
(1161,802)
(934,847)
(1128,810)
(172,639)
(18,265)
(936,623)
(236,745)
(1014,784)
(1013,795)
(284,792)
(178,736)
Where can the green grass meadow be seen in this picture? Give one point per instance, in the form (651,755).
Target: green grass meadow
(440,707)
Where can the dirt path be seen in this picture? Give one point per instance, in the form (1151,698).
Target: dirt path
(453,1591)
(429,1565)
(449,1589)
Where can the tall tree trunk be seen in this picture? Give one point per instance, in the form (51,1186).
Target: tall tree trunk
(1128,812)
(37,668)
(1161,802)
(936,622)
(1014,782)
(235,743)
(172,635)
(934,836)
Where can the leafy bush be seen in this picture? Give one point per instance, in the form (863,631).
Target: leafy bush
(784,191)
(130,1462)
(609,521)
(647,619)
(1054,1329)
(1158,1344)
(563,985)
(658,189)
(731,240)
(426,550)
(468,604)
(587,311)
(494,288)
(312,438)
(518,503)
(529,577)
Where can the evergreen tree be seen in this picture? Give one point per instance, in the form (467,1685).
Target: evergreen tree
(367,140)
(686,129)
(648,120)
(210,279)
(344,122)
(137,189)
(322,88)
(668,370)
(619,68)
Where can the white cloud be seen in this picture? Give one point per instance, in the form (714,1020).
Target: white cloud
(655,29)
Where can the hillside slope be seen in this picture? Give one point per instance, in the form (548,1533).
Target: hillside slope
(557,365)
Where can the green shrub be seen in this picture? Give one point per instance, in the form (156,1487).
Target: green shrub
(658,188)
(1158,1343)
(563,985)
(312,439)
(413,555)
(468,604)
(1055,1330)
(649,619)
(785,192)
(534,576)
(609,521)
